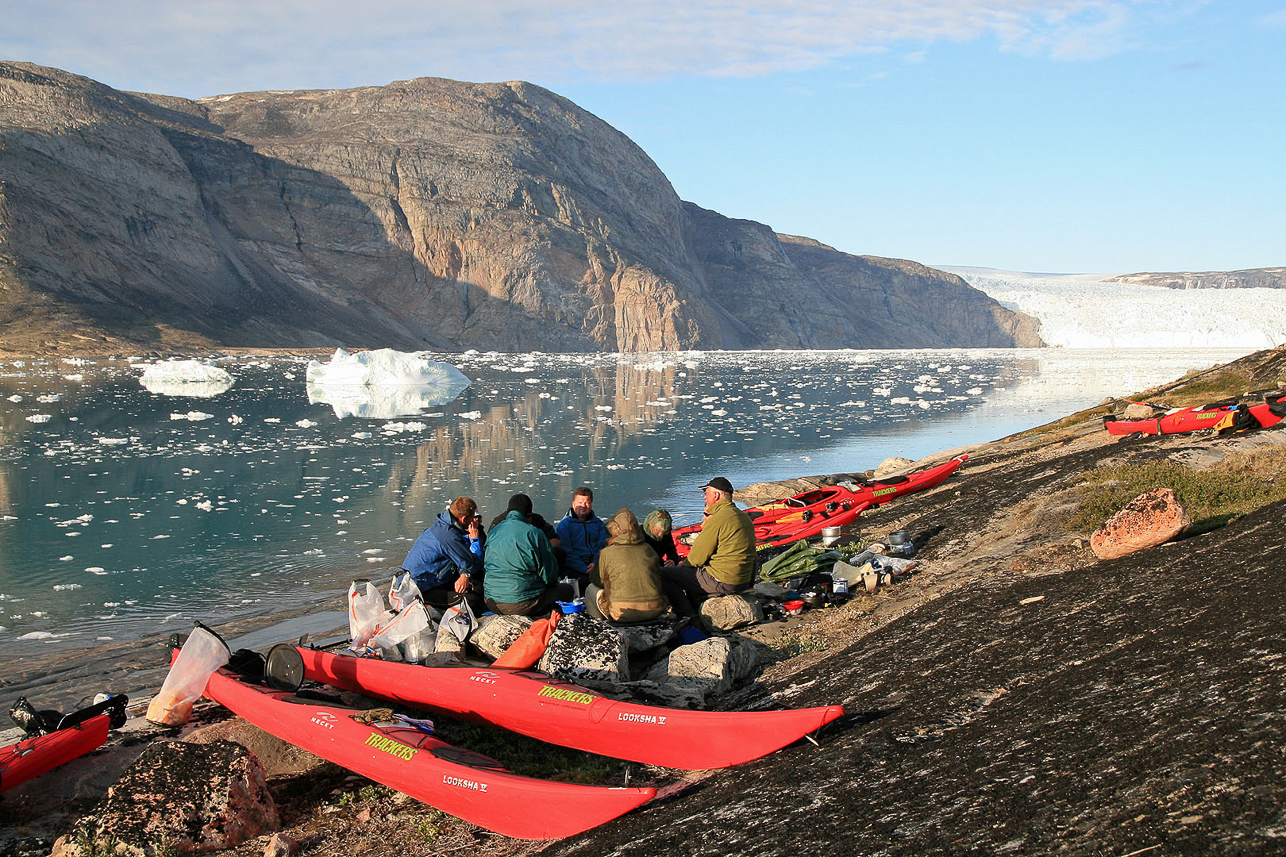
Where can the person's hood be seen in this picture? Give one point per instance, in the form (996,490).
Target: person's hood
(626,528)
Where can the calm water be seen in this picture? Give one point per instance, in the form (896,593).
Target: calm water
(125,513)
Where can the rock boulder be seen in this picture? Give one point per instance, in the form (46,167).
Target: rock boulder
(179,796)
(1146,521)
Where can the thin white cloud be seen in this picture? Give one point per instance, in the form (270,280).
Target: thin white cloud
(227,45)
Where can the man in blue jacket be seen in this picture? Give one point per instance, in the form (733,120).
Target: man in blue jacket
(583,534)
(446,560)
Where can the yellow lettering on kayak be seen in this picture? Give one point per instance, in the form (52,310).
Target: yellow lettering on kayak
(388,745)
(566,695)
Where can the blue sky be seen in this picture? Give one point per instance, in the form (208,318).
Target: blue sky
(1036,135)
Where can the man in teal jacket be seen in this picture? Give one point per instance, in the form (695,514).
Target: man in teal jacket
(521,575)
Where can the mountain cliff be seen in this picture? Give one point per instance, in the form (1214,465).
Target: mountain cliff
(1253,278)
(423,214)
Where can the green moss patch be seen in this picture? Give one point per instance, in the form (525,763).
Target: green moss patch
(1240,484)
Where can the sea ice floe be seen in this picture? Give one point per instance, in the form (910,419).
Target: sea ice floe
(38,418)
(113,441)
(193,416)
(186,378)
(15,398)
(382,384)
(305,423)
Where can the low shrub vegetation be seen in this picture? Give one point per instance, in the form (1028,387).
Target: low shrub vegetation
(1240,484)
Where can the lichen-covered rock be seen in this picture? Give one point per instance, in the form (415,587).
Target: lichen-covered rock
(583,647)
(1146,521)
(1137,411)
(648,635)
(707,668)
(496,633)
(181,796)
(893,465)
(276,757)
(727,612)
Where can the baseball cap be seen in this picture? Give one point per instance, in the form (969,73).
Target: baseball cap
(718,483)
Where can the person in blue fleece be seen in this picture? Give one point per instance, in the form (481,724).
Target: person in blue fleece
(583,534)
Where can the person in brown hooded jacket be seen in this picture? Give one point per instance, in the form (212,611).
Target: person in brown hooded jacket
(625,585)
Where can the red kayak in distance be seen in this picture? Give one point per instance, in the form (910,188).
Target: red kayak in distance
(1182,420)
(32,757)
(805,515)
(534,704)
(465,784)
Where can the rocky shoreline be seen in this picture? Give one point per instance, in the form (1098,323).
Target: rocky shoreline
(1016,695)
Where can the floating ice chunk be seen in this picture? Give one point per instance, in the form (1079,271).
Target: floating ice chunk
(398,428)
(236,420)
(37,418)
(192,416)
(96,569)
(205,505)
(186,378)
(382,384)
(471,415)
(15,398)
(37,635)
(113,441)
(49,398)
(360,435)
(74,377)
(305,423)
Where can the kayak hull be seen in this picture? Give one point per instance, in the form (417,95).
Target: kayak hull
(805,515)
(32,757)
(1184,420)
(465,784)
(534,704)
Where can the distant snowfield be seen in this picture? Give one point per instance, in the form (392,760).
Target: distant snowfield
(1081,311)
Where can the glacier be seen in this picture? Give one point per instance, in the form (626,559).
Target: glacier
(1083,311)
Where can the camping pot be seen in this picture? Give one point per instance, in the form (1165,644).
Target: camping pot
(899,537)
(830,535)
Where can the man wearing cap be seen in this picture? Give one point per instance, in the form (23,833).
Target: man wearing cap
(722,559)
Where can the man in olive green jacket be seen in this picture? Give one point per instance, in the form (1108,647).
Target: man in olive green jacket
(722,559)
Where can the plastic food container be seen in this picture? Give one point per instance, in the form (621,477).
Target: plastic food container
(792,608)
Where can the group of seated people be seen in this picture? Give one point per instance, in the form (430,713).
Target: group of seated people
(629,573)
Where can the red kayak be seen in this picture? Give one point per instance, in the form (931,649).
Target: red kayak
(399,755)
(1182,420)
(31,757)
(805,515)
(534,704)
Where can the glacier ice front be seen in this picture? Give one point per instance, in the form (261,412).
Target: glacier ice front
(383,383)
(186,378)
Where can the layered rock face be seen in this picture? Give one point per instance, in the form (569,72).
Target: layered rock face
(422,214)
(1252,278)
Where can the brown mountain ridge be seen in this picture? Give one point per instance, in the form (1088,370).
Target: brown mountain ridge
(425,214)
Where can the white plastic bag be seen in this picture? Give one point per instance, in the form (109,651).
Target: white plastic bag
(459,620)
(411,620)
(402,591)
(202,653)
(365,612)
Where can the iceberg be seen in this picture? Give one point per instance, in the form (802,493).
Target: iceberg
(382,384)
(186,378)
